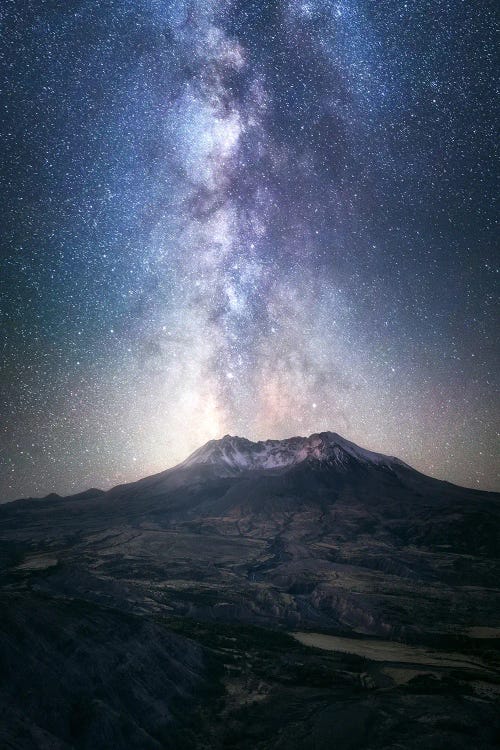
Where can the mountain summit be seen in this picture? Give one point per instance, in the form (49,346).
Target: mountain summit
(238,454)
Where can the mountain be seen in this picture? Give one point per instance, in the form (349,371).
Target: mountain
(235,454)
(332,529)
(310,533)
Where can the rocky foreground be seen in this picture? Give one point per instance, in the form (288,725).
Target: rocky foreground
(158,614)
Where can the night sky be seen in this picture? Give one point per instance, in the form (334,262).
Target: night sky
(256,218)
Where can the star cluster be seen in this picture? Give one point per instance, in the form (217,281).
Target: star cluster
(257,218)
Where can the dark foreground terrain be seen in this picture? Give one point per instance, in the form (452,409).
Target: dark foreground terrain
(160,614)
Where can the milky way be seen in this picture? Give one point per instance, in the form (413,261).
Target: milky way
(263,219)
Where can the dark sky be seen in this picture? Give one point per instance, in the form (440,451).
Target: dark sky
(262,219)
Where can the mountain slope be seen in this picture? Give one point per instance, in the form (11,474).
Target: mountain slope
(75,674)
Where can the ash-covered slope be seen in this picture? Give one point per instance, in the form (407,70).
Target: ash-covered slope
(77,675)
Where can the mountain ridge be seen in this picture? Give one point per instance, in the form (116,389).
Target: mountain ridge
(239,453)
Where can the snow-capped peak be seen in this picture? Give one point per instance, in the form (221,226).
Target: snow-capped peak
(237,454)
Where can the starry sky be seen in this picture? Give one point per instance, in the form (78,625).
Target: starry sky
(257,218)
